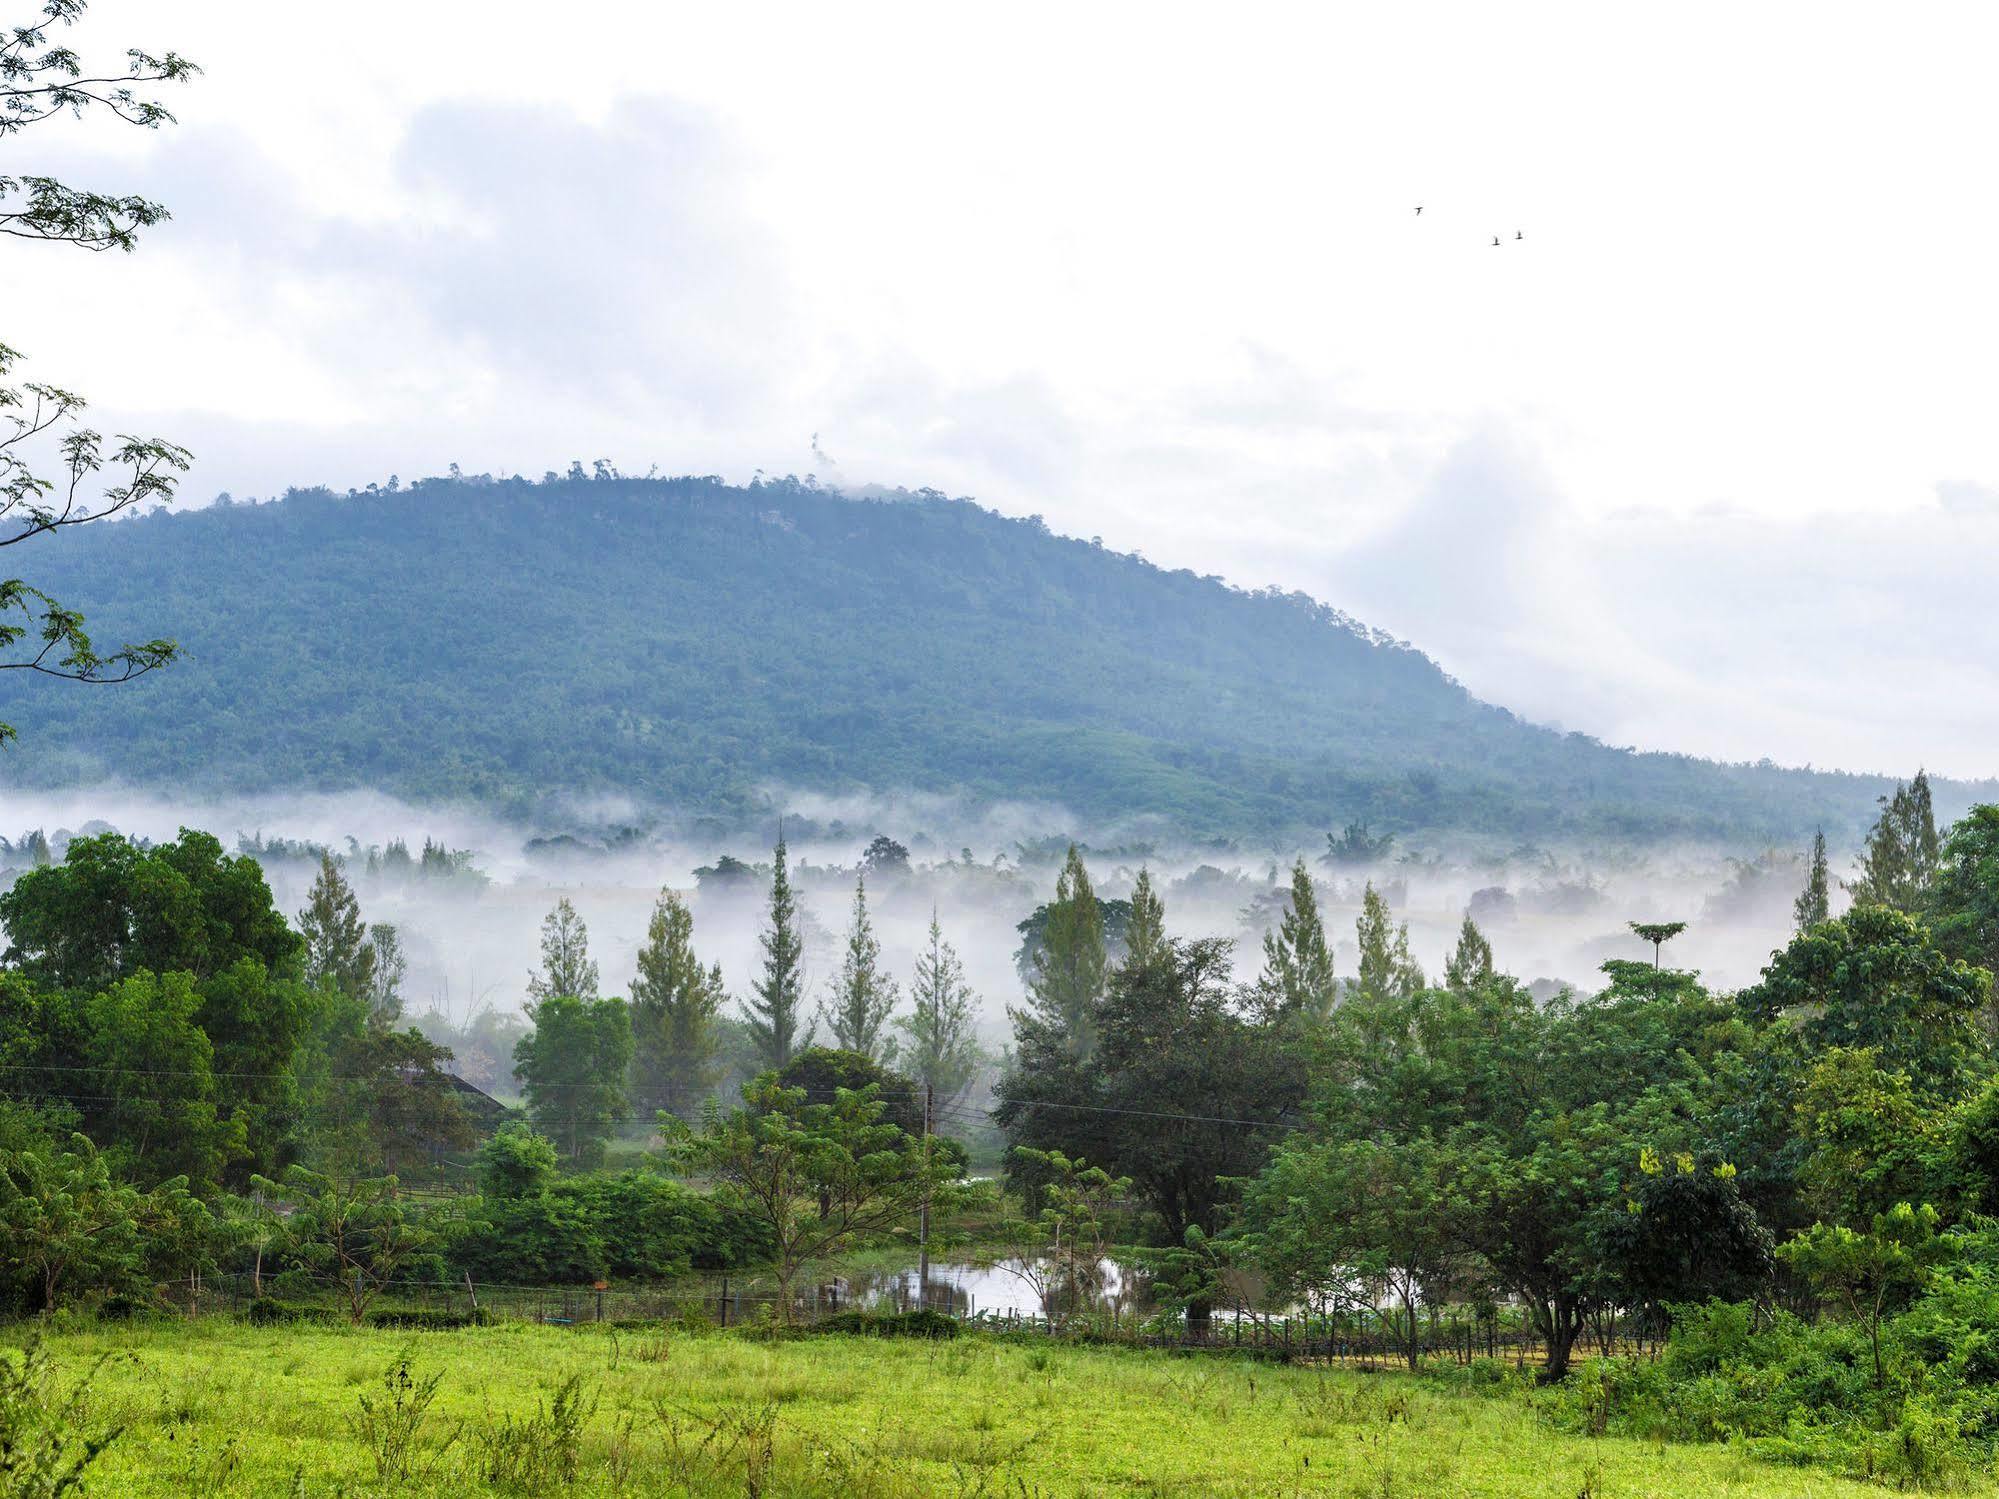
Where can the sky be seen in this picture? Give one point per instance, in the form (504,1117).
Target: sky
(1701,456)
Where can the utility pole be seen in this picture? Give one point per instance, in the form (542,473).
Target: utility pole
(923,1223)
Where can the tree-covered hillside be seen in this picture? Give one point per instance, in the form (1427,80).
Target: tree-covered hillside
(693,643)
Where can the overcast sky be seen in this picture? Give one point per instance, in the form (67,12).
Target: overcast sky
(1707,459)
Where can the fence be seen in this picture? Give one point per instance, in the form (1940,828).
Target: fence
(1356,1337)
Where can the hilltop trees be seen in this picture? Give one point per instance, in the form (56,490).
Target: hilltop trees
(772,1011)
(674,1007)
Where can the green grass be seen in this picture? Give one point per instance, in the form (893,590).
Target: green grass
(219,1408)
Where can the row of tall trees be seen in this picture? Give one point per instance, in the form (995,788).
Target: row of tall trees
(594,1062)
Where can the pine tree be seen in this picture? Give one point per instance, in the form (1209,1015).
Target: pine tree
(337,951)
(771,1012)
(942,1052)
(1145,932)
(863,997)
(1899,864)
(675,1002)
(1814,903)
(385,988)
(1470,963)
(1297,976)
(566,968)
(1387,971)
(1069,969)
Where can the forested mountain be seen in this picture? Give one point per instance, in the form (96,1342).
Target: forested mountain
(692,643)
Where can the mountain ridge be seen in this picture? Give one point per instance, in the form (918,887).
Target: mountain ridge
(690,643)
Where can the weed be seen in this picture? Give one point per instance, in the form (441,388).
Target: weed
(391,1424)
(42,1454)
(529,1453)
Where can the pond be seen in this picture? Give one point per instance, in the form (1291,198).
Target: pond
(1001,1288)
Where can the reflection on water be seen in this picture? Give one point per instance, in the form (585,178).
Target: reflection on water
(1004,1288)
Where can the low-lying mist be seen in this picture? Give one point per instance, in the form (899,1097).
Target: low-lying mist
(470,915)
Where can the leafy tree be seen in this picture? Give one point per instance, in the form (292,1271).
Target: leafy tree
(1061,1252)
(361,1234)
(516,1162)
(1814,903)
(42,81)
(1875,978)
(111,908)
(1964,903)
(675,1002)
(337,950)
(942,1050)
(820,1072)
(385,993)
(1355,846)
(814,1176)
(772,1011)
(1386,968)
(863,997)
(566,968)
(1297,979)
(1069,967)
(1687,1235)
(151,1076)
(1900,860)
(572,1068)
(73,1230)
(1658,933)
(1469,966)
(1868,1271)
(1323,1215)
(1872,1141)
(884,858)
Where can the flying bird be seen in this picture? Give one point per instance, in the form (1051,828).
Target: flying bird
(1518,235)
(1419,210)
(1495,241)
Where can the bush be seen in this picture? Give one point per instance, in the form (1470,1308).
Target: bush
(429,1318)
(269,1311)
(924,1323)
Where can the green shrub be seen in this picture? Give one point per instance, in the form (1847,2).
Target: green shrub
(429,1319)
(270,1311)
(924,1323)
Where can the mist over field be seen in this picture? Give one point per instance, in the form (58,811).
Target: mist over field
(472,937)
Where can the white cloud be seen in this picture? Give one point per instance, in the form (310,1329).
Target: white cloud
(1689,465)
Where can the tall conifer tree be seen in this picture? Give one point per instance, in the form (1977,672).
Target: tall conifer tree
(1145,932)
(772,1010)
(1387,971)
(675,1001)
(1297,976)
(1470,962)
(1814,903)
(337,950)
(863,996)
(566,966)
(1069,969)
(942,1050)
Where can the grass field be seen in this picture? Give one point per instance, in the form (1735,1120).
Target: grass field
(220,1408)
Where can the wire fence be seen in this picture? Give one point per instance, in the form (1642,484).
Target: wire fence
(1357,1337)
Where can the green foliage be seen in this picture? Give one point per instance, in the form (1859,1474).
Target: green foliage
(112,908)
(1386,968)
(863,996)
(516,1162)
(47,1440)
(1297,979)
(924,1322)
(772,1011)
(942,1050)
(1900,861)
(357,1235)
(1964,902)
(813,1175)
(1866,1271)
(1814,902)
(1875,978)
(572,1067)
(978,668)
(675,1002)
(567,971)
(1069,967)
